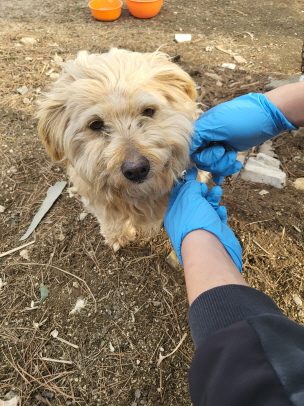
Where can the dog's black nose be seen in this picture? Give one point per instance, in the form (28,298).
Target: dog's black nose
(136,170)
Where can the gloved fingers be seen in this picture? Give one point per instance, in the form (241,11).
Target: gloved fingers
(234,168)
(191,174)
(223,214)
(217,160)
(214,196)
(218,180)
(204,190)
(200,138)
(224,164)
(206,158)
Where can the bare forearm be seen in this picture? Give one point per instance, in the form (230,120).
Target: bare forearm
(207,264)
(290,100)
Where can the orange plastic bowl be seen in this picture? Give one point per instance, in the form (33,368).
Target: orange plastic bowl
(105,10)
(144,8)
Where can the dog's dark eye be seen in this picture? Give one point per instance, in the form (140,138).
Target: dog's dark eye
(149,112)
(97,125)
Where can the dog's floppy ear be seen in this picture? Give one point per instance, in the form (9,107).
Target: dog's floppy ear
(52,124)
(52,114)
(175,84)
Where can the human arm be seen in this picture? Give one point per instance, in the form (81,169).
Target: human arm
(242,123)
(289,99)
(246,351)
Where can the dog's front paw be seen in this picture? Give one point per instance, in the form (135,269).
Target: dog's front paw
(118,242)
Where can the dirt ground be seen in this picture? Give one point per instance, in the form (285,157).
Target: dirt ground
(136,305)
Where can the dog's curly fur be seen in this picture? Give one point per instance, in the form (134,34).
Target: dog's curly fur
(116,89)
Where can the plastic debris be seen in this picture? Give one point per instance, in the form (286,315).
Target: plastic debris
(183,37)
(44,292)
(52,195)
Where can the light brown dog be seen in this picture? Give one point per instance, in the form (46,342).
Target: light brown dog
(121,122)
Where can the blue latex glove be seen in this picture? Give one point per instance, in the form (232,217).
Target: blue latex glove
(236,125)
(192,207)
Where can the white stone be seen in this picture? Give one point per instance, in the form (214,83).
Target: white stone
(22,90)
(297,300)
(299,184)
(54,75)
(82,215)
(209,48)
(28,41)
(2,209)
(258,172)
(263,192)
(183,37)
(229,65)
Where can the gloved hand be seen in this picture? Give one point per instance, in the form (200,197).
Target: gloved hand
(192,207)
(236,125)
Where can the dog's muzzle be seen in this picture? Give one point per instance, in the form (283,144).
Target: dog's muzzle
(136,170)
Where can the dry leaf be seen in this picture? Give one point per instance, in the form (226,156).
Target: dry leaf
(24,254)
(239,59)
(80,304)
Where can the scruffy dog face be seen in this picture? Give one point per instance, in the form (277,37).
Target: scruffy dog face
(121,121)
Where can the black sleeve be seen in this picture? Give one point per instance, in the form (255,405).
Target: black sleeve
(247,353)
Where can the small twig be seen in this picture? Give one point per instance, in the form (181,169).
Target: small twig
(226,51)
(250,35)
(54,334)
(59,361)
(162,357)
(256,222)
(238,11)
(283,233)
(4,254)
(263,249)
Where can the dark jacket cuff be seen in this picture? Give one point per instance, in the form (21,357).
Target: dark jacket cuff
(222,306)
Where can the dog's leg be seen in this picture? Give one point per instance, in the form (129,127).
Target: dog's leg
(117,232)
